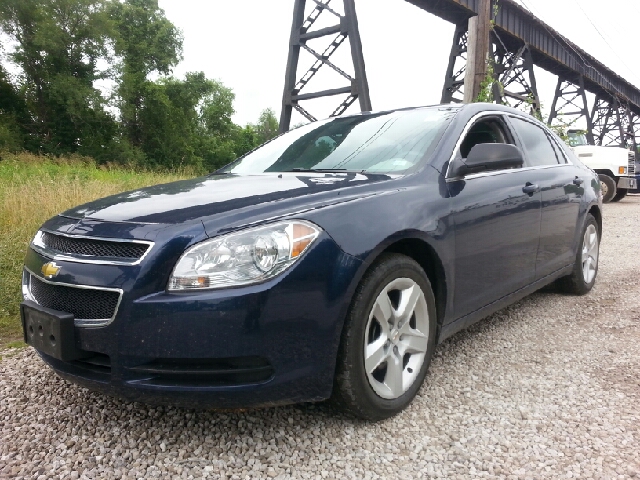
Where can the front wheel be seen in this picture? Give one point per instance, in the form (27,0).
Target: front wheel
(608,186)
(387,341)
(585,268)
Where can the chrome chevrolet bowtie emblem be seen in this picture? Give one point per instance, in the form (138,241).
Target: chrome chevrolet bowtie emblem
(50,270)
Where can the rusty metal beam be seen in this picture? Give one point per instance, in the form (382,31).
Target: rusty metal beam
(549,49)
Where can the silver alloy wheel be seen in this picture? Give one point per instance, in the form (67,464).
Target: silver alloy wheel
(589,253)
(604,188)
(396,338)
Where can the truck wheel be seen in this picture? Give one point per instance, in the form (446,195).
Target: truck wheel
(585,268)
(388,340)
(608,186)
(620,194)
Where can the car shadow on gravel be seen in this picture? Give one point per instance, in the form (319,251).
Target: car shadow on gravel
(490,336)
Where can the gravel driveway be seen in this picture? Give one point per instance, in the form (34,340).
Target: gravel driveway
(547,388)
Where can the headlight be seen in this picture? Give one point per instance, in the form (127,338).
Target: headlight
(242,258)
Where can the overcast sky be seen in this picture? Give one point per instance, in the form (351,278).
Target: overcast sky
(244,43)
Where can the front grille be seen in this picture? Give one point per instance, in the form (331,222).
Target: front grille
(632,164)
(89,247)
(96,307)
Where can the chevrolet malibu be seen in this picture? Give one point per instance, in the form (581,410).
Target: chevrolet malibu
(329,262)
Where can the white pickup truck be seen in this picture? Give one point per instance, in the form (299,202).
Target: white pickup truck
(615,166)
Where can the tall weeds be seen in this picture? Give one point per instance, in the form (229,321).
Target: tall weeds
(35,188)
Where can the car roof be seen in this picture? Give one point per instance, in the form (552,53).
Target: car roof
(470,108)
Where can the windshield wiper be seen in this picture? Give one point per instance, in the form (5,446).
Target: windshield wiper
(321,170)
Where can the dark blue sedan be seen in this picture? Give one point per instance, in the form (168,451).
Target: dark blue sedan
(329,262)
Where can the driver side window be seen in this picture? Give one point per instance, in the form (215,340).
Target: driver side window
(486,130)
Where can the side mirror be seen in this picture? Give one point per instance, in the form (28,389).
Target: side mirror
(487,156)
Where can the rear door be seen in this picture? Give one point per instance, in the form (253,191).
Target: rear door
(561,195)
(497,225)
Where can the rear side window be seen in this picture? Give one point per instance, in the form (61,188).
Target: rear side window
(559,153)
(537,144)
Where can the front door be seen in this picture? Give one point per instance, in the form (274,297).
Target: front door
(497,225)
(497,228)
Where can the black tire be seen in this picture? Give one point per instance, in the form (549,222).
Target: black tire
(353,393)
(575,283)
(608,186)
(620,194)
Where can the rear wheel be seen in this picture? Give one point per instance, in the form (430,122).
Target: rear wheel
(608,186)
(585,268)
(388,340)
(620,194)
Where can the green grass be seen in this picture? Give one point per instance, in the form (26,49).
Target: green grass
(33,189)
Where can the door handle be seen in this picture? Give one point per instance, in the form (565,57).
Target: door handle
(578,181)
(530,188)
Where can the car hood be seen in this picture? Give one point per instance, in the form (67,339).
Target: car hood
(194,199)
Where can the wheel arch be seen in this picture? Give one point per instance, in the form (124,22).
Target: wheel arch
(426,256)
(607,172)
(428,259)
(597,214)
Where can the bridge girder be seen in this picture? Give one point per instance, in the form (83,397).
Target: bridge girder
(514,78)
(453,89)
(609,123)
(570,104)
(613,120)
(516,82)
(345,30)
(604,117)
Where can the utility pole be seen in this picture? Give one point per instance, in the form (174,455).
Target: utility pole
(477,51)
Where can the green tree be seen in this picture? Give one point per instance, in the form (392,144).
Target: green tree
(64,47)
(146,42)
(187,122)
(245,139)
(58,44)
(217,109)
(267,126)
(166,120)
(14,115)
(218,140)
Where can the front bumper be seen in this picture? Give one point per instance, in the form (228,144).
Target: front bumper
(629,183)
(259,345)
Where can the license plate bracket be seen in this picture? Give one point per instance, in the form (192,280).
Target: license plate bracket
(49,331)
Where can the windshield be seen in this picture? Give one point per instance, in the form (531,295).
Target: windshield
(577,139)
(390,142)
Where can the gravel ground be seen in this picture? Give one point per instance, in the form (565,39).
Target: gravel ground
(547,388)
